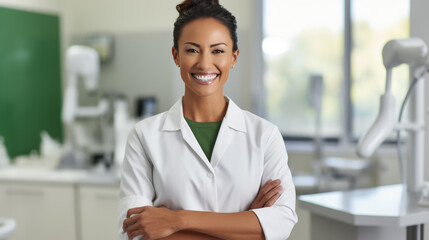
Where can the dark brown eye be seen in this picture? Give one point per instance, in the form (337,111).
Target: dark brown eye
(218,51)
(191,50)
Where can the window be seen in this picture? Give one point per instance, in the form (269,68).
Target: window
(341,41)
(373,26)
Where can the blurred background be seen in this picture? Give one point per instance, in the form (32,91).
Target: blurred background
(312,67)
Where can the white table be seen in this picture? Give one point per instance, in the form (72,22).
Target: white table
(376,213)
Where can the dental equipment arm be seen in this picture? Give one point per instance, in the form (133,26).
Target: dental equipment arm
(84,62)
(412,51)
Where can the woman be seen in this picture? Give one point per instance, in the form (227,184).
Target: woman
(196,171)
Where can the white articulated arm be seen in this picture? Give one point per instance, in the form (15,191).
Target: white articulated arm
(412,51)
(381,128)
(81,61)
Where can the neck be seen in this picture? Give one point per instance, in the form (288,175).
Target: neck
(204,109)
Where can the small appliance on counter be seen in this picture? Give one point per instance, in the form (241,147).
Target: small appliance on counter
(146,107)
(7,227)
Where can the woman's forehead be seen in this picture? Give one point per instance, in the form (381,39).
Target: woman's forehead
(205,31)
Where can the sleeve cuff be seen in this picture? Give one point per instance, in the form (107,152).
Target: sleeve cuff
(277,221)
(125,204)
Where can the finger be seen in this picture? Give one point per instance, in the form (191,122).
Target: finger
(266,185)
(136,210)
(269,186)
(129,221)
(262,189)
(135,226)
(271,193)
(134,234)
(272,200)
(145,237)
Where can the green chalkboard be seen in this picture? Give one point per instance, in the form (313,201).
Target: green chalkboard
(30,79)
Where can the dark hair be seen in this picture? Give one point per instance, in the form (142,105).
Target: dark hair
(190,10)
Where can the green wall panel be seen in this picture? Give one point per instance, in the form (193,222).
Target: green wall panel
(30,79)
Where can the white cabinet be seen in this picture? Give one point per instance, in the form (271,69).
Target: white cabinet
(98,216)
(60,204)
(42,211)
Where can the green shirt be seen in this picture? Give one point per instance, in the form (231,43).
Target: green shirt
(206,134)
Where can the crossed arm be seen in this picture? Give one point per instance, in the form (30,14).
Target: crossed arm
(163,223)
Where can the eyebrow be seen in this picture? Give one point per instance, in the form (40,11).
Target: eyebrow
(213,45)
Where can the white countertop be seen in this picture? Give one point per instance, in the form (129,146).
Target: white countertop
(64,176)
(381,206)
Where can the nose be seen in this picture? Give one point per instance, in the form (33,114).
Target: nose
(204,61)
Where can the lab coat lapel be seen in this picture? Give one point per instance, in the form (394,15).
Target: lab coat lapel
(189,137)
(222,142)
(233,123)
(176,122)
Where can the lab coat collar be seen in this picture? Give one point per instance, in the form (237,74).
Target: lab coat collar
(174,117)
(233,121)
(233,118)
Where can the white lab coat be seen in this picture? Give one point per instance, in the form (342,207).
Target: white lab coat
(165,165)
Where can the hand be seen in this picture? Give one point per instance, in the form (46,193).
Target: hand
(268,194)
(151,222)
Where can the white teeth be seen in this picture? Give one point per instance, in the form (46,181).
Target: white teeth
(205,78)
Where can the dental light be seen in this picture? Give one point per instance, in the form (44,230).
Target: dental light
(81,61)
(413,52)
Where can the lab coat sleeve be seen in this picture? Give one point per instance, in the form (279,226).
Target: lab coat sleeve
(136,188)
(278,220)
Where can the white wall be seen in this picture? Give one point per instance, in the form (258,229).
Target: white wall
(125,16)
(47,6)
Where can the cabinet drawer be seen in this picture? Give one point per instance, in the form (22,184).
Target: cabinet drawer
(98,212)
(41,211)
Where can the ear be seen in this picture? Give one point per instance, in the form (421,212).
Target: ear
(175,54)
(235,57)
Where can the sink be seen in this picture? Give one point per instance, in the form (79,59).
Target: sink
(7,226)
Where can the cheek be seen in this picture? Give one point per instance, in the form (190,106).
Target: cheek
(224,73)
(223,64)
(185,66)
(183,74)
(188,61)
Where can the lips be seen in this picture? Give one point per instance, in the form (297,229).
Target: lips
(205,78)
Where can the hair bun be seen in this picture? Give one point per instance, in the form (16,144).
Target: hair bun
(188,4)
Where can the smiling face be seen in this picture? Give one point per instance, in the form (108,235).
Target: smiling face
(205,57)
